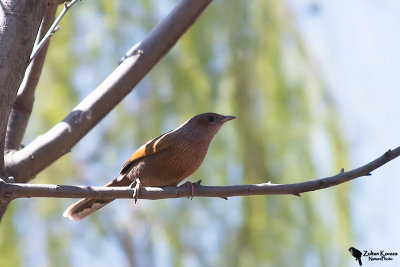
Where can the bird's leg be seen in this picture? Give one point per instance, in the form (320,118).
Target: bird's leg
(191,185)
(137,186)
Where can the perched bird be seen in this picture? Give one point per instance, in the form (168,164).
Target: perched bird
(356,254)
(163,161)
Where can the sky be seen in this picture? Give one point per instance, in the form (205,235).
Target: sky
(355,46)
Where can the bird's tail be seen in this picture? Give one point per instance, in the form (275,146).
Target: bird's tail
(87,206)
(359,261)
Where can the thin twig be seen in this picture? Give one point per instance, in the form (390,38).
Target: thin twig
(52,29)
(9,191)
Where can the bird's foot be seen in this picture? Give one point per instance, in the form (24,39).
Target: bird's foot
(137,186)
(192,186)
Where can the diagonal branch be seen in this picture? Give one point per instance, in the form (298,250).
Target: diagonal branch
(23,105)
(9,191)
(24,164)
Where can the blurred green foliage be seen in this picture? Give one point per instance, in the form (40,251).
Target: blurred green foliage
(243,58)
(9,243)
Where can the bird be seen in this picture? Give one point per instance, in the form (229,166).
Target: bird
(356,254)
(163,161)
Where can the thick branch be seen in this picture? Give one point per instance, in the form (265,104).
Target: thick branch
(23,105)
(11,191)
(44,150)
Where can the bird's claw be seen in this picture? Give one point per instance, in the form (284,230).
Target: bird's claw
(137,189)
(192,186)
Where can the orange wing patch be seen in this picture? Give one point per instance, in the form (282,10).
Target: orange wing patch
(152,147)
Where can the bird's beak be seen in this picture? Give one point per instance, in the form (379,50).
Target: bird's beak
(227,118)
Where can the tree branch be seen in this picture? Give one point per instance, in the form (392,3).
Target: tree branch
(24,164)
(53,28)
(9,191)
(19,22)
(23,105)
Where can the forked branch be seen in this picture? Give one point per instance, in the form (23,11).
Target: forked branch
(54,27)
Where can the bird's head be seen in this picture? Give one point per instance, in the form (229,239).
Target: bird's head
(203,127)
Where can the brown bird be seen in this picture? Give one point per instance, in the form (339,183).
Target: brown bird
(163,161)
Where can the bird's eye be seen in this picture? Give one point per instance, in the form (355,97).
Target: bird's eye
(210,118)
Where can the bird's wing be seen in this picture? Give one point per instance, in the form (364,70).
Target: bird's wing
(152,147)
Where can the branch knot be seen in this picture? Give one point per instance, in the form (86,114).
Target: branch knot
(5,190)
